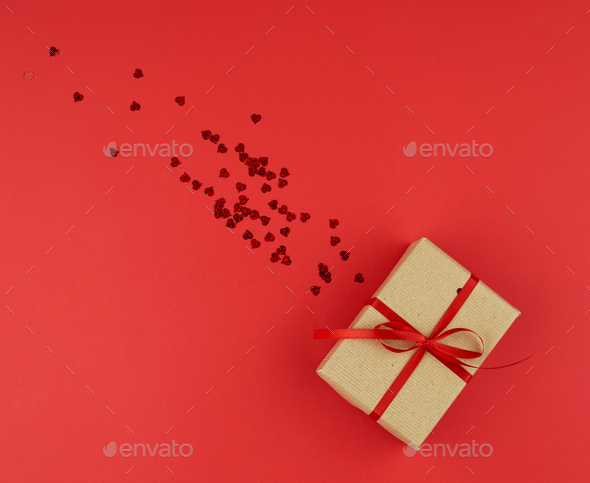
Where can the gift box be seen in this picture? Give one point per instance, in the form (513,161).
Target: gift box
(428,300)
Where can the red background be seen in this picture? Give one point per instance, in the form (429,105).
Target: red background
(149,300)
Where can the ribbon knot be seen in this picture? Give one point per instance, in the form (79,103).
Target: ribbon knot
(400,330)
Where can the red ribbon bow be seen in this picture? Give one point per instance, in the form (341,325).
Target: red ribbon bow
(399,329)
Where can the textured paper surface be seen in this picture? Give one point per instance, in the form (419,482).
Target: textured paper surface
(420,289)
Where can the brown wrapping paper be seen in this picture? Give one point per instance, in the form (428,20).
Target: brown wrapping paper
(420,289)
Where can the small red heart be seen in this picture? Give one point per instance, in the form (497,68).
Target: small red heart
(206,134)
(240,187)
(264,220)
(231,223)
(282,183)
(282,250)
(226,213)
(246,211)
(305,217)
(237,207)
(53,51)
(138,73)
(270,175)
(265,188)
(261,171)
(274,258)
(255,215)
(78,97)
(209,191)
(286,260)
(334,223)
(28,75)
(222,149)
(134,106)
(263,161)
(359,278)
(344,255)
(220,201)
(283,210)
(196,184)
(174,162)
(334,240)
(240,148)
(285,231)
(224,173)
(179,100)
(255,118)
(326,277)
(252,171)
(255,243)
(315,290)
(185,178)
(243,157)
(243,199)
(284,172)
(273,204)
(238,217)
(269,237)
(214,139)
(322,268)
(291,216)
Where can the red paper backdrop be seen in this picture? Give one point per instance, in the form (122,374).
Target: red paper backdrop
(145,320)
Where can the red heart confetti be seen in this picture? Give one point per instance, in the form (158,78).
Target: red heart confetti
(283,210)
(209,191)
(226,213)
(305,217)
(344,255)
(237,207)
(255,215)
(174,162)
(214,139)
(282,250)
(359,278)
(206,134)
(284,172)
(334,240)
(240,187)
(315,290)
(220,201)
(261,172)
(252,171)
(185,178)
(238,217)
(231,223)
(273,204)
(240,148)
(179,100)
(138,73)
(269,237)
(286,260)
(243,157)
(334,223)
(28,75)
(134,106)
(265,188)
(285,231)
(53,51)
(224,173)
(270,175)
(263,161)
(264,220)
(196,184)
(282,183)
(274,258)
(243,199)
(322,268)
(255,118)
(326,277)
(222,149)
(291,216)
(246,211)
(78,97)
(255,243)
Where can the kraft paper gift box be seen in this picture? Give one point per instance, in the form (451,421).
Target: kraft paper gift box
(420,289)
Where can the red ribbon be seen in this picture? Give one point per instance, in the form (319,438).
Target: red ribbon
(399,329)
